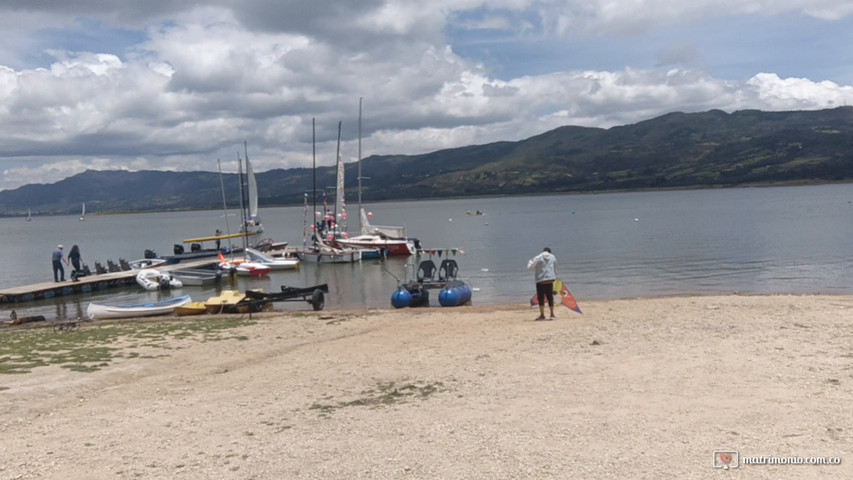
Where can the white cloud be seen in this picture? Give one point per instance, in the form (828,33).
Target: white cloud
(187,83)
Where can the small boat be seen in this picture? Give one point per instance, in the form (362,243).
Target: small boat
(152,279)
(194,308)
(269,246)
(143,263)
(244,267)
(275,263)
(391,246)
(474,214)
(325,254)
(29,215)
(198,276)
(97,311)
(83,213)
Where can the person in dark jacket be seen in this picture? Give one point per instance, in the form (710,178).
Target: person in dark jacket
(76,260)
(57,258)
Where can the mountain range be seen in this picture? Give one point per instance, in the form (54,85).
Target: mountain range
(676,150)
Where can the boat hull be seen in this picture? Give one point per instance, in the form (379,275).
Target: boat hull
(393,247)
(198,277)
(274,263)
(323,256)
(97,311)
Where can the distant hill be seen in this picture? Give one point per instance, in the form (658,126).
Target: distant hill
(677,150)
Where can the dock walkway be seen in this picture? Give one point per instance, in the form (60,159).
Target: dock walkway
(89,283)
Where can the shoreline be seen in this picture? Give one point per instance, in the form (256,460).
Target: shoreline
(633,388)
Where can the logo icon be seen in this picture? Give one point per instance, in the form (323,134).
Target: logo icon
(726,459)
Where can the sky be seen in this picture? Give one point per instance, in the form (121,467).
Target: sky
(192,85)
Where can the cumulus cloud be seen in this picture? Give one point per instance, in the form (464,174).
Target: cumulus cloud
(178,85)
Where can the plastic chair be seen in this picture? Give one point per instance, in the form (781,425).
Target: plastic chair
(448,270)
(426,270)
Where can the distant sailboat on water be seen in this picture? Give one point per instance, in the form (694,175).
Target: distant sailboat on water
(29,215)
(83,213)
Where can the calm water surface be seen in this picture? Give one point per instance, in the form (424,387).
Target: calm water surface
(609,246)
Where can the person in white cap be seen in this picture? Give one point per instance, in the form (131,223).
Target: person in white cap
(58,258)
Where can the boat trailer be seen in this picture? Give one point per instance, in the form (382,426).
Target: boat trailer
(314,295)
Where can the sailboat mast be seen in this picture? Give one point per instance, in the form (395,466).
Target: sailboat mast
(359,153)
(242,203)
(339,190)
(314,170)
(224,205)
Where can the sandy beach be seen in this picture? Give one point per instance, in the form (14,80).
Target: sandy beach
(644,389)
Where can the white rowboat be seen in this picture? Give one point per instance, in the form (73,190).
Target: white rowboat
(97,311)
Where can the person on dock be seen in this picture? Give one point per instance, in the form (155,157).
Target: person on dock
(218,234)
(544,267)
(58,258)
(76,260)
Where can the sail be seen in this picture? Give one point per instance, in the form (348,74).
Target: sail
(387,231)
(340,201)
(253,190)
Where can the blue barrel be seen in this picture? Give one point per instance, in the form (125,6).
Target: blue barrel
(466,294)
(401,298)
(452,296)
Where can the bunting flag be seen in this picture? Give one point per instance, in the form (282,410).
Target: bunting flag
(562,295)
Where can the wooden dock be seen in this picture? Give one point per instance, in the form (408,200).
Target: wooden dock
(89,283)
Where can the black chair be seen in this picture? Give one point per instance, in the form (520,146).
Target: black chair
(426,270)
(447,270)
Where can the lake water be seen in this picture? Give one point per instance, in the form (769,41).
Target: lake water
(609,246)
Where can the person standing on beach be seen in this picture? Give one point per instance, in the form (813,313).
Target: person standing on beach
(58,258)
(544,267)
(75,259)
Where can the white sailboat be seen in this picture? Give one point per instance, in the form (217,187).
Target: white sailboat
(253,221)
(389,239)
(83,213)
(29,215)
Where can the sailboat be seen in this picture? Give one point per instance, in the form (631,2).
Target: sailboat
(29,215)
(391,240)
(252,224)
(321,250)
(241,266)
(83,213)
(338,231)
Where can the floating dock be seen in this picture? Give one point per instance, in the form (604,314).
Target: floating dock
(89,283)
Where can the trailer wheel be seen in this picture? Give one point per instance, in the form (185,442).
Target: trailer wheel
(318,300)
